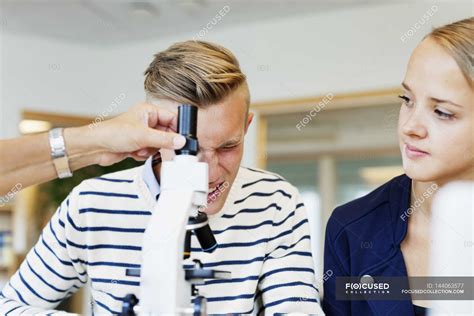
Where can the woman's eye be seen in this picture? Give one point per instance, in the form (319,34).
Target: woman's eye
(444,115)
(406,100)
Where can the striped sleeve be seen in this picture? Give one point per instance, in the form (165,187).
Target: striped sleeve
(50,272)
(287,282)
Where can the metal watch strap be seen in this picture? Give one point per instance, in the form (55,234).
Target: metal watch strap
(58,153)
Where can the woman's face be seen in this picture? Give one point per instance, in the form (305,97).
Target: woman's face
(436,122)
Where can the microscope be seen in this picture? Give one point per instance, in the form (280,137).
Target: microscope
(165,287)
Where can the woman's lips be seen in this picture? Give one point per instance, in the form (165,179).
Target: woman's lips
(413,152)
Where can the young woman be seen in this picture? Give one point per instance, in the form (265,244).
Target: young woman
(386,233)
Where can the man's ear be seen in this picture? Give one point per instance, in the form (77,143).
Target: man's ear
(249,120)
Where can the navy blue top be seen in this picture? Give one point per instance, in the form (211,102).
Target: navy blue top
(363,237)
(420,310)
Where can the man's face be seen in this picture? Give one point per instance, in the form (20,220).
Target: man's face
(221,129)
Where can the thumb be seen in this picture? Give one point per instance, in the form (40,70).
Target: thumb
(160,139)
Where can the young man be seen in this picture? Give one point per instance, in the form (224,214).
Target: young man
(257,217)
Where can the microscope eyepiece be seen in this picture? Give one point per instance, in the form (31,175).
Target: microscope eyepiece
(187,126)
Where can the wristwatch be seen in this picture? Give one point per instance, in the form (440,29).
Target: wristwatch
(58,153)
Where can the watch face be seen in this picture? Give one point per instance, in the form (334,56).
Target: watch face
(56,141)
(58,153)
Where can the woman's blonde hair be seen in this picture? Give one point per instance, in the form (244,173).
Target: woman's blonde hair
(458,40)
(193,72)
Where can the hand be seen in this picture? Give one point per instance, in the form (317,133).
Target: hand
(139,133)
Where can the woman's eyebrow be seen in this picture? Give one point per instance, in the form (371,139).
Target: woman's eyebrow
(445,101)
(404,85)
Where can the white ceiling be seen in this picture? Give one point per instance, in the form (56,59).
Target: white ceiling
(111,22)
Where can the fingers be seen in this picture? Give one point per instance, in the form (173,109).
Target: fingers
(158,117)
(137,158)
(108,159)
(161,139)
(146,152)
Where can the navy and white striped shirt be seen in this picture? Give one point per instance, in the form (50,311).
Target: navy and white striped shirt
(96,234)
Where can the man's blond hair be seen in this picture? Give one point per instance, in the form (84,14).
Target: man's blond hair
(194,72)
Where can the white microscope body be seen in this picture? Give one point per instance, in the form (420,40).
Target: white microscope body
(452,249)
(165,287)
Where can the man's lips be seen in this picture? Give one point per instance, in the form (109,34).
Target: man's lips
(214,192)
(414,152)
(215,186)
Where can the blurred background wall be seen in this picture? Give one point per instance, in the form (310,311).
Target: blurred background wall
(77,56)
(73,59)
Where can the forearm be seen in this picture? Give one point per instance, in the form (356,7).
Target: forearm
(138,133)
(27,160)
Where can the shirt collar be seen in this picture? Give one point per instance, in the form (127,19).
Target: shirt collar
(150,179)
(399,201)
